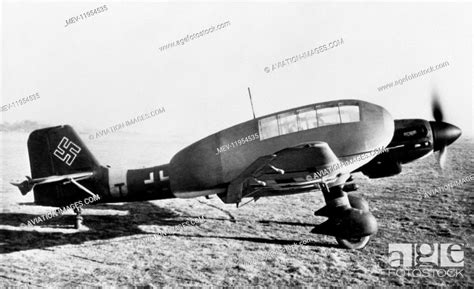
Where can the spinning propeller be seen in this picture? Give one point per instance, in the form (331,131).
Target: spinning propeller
(444,134)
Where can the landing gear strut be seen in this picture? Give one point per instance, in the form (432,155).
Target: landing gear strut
(349,219)
(79,218)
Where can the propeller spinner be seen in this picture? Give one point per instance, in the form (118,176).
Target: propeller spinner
(444,133)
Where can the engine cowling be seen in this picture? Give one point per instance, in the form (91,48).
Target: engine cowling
(412,139)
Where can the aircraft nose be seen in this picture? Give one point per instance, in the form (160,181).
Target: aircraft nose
(444,134)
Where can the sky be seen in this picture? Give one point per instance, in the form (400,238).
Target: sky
(108,68)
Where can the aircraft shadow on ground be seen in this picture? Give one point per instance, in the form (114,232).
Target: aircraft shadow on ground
(261,240)
(101,227)
(105,227)
(266,222)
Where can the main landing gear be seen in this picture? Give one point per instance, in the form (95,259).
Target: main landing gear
(349,219)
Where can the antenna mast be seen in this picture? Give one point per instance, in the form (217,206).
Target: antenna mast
(251,103)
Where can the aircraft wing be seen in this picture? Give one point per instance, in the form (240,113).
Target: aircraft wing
(236,187)
(281,171)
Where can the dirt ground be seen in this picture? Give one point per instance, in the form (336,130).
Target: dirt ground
(225,245)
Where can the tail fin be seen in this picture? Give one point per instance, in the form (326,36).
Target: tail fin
(58,151)
(57,155)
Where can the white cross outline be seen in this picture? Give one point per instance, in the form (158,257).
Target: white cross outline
(151,180)
(162,177)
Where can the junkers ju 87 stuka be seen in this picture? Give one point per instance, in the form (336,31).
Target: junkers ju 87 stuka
(317,147)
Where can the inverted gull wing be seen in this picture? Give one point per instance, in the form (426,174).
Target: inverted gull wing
(284,170)
(235,188)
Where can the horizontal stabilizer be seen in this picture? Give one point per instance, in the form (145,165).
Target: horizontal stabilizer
(29,183)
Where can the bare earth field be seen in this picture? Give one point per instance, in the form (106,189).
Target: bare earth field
(227,246)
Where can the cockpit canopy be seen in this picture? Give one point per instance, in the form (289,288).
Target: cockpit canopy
(307,118)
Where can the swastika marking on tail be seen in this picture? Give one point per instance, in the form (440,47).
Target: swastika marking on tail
(67,151)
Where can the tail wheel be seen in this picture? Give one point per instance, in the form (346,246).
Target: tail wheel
(353,243)
(78,224)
